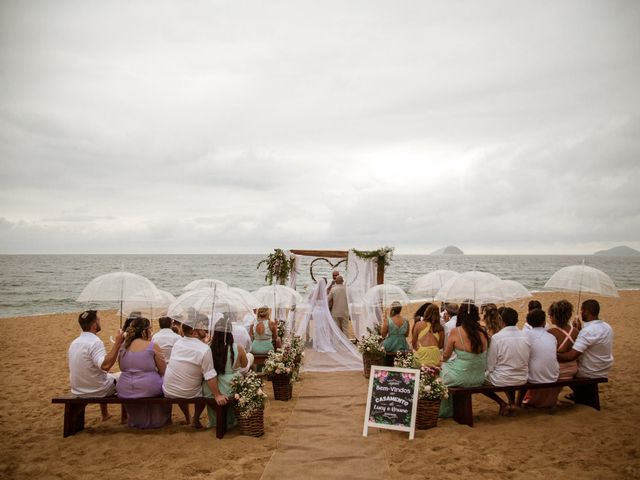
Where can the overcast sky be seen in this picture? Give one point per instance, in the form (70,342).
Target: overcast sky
(238,127)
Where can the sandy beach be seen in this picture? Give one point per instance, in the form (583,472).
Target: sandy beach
(318,434)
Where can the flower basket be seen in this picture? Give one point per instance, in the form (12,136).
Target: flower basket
(369,359)
(282,386)
(427,414)
(252,425)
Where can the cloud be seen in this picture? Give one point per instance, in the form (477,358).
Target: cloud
(211,127)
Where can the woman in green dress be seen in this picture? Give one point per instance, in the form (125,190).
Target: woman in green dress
(469,342)
(395,330)
(229,360)
(263,332)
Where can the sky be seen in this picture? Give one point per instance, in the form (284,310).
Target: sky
(501,127)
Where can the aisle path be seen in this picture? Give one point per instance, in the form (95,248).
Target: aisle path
(324,432)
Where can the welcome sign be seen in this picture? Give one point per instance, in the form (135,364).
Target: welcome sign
(392,399)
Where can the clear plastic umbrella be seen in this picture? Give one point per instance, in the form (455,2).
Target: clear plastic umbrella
(153,308)
(277,297)
(205,283)
(581,278)
(428,285)
(481,287)
(515,291)
(203,307)
(380,297)
(248,297)
(119,287)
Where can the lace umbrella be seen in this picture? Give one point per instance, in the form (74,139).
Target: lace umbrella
(119,287)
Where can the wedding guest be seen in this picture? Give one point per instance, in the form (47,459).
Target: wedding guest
(165,337)
(508,359)
(395,330)
(560,314)
(229,361)
(593,347)
(264,333)
(450,318)
(491,319)
(142,365)
(419,315)
(191,361)
(469,342)
(543,364)
(89,363)
(531,306)
(428,337)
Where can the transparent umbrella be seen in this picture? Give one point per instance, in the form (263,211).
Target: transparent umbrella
(481,287)
(581,278)
(201,308)
(277,297)
(380,297)
(205,283)
(153,308)
(428,285)
(119,287)
(515,291)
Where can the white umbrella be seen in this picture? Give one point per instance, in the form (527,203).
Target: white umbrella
(204,283)
(119,287)
(214,303)
(153,308)
(277,297)
(384,295)
(581,278)
(248,297)
(515,291)
(428,285)
(480,287)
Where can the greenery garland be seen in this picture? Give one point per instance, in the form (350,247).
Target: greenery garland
(279,266)
(383,255)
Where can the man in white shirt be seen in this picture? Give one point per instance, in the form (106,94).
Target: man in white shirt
(543,362)
(594,346)
(241,337)
(508,359)
(191,361)
(165,338)
(89,362)
(450,319)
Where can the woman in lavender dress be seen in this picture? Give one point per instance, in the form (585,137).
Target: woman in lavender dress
(142,365)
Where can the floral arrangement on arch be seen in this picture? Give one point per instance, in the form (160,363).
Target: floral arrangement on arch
(406,360)
(431,385)
(282,328)
(287,359)
(371,343)
(279,266)
(248,393)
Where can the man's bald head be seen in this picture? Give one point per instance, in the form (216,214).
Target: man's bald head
(339,280)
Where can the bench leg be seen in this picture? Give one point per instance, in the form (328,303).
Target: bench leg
(73,418)
(221,420)
(587,395)
(124,417)
(463,409)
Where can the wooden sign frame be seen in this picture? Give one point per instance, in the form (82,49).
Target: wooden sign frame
(368,423)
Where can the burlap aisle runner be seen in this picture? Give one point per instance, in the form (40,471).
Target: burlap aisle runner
(323,438)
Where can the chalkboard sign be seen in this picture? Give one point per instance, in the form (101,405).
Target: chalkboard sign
(392,399)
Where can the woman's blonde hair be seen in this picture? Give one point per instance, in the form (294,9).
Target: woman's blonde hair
(263,312)
(136,329)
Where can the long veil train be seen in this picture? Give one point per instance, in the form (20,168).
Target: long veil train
(329,349)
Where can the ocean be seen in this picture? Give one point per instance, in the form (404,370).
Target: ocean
(40,284)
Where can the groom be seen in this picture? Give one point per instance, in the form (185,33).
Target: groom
(339,305)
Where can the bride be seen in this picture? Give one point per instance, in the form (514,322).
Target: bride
(322,319)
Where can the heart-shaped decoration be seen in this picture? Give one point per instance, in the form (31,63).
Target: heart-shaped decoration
(330,264)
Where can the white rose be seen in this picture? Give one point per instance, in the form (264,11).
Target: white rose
(427,388)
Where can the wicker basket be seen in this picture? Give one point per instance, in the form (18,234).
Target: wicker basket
(427,414)
(252,425)
(368,360)
(282,386)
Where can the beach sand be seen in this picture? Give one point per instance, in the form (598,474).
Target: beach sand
(318,434)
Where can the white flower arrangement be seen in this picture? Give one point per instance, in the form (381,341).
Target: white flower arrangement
(287,359)
(371,344)
(248,393)
(406,360)
(431,385)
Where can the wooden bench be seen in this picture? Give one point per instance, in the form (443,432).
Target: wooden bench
(259,359)
(585,392)
(74,408)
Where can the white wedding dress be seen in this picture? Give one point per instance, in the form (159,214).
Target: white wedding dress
(330,349)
